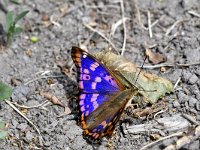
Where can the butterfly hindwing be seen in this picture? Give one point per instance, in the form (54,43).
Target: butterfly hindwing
(101,97)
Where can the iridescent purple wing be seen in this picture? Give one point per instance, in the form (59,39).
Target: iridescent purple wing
(98,90)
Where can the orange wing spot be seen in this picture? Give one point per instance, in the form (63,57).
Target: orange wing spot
(86,132)
(83,124)
(78,55)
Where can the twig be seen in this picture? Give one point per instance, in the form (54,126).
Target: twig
(155,22)
(17,110)
(138,13)
(171,65)
(61,76)
(160,112)
(173,26)
(115,26)
(194,13)
(187,138)
(101,34)
(149,24)
(161,139)
(36,106)
(190,118)
(54,21)
(177,82)
(124,26)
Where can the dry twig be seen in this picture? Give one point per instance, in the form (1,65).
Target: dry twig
(149,24)
(161,139)
(124,26)
(138,13)
(190,118)
(173,26)
(101,34)
(170,65)
(177,83)
(61,76)
(187,138)
(194,13)
(42,105)
(17,110)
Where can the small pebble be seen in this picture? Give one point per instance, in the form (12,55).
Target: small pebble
(22,126)
(192,102)
(198,105)
(176,104)
(14,123)
(194,145)
(29,136)
(186,76)
(182,98)
(193,79)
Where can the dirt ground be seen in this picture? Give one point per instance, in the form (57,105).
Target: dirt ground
(34,67)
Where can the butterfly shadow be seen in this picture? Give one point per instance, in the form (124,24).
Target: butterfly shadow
(71,91)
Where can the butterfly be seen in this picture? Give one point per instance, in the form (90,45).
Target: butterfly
(102,96)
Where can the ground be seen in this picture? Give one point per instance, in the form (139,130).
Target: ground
(34,67)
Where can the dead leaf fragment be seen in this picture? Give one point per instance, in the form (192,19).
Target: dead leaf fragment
(155,58)
(150,86)
(45,17)
(52,98)
(15,81)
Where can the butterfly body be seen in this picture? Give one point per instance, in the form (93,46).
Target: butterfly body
(102,96)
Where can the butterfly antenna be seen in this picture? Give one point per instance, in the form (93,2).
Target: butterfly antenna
(140,69)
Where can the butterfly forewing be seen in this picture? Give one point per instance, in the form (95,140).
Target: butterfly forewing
(99,93)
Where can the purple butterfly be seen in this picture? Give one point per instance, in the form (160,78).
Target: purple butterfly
(102,96)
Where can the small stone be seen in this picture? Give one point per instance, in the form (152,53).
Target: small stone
(198,71)
(176,104)
(194,145)
(198,117)
(192,110)
(182,98)
(14,123)
(193,79)
(47,143)
(167,142)
(22,126)
(186,76)
(186,105)
(29,136)
(198,105)
(197,96)
(32,103)
(192,102)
